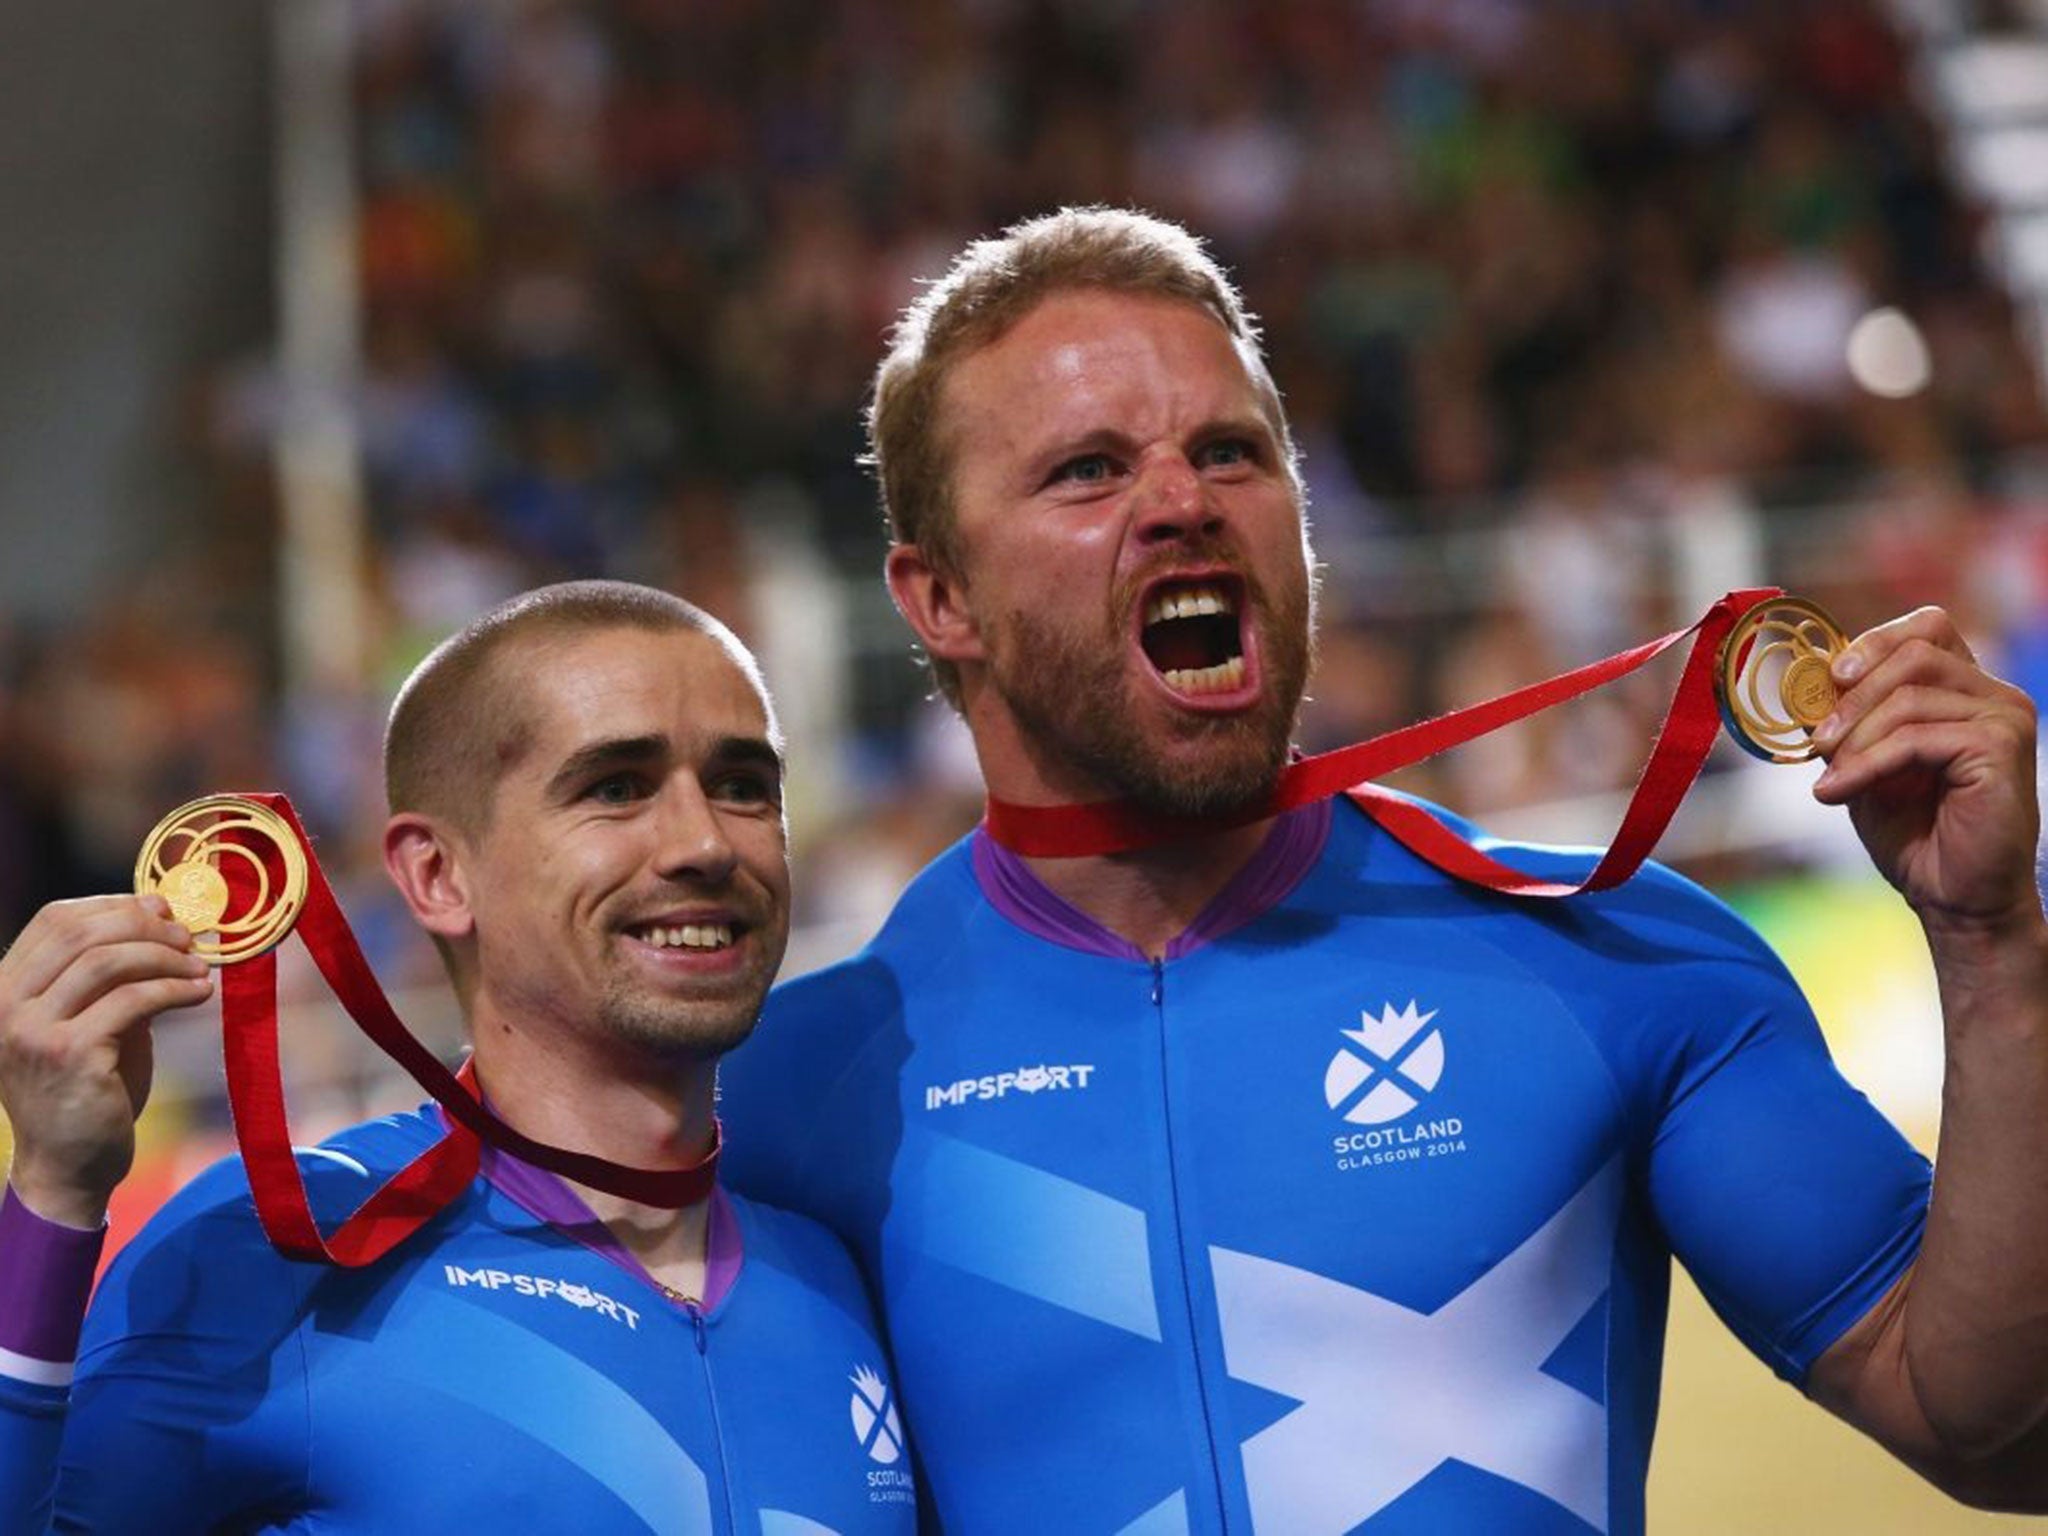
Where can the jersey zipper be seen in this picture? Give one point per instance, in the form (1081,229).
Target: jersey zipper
(732,1523)
(1180,1248)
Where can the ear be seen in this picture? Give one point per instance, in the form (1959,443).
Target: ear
(422,858)
(931,602)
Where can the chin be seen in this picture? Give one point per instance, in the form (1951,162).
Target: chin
(684,1034)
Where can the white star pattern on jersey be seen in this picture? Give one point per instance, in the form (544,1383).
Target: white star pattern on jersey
(1387,1394)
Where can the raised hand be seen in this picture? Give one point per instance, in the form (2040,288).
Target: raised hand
(78,991)
(1935,759)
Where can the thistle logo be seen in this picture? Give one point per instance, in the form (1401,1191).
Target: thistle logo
(1393,1064)
(875,1423)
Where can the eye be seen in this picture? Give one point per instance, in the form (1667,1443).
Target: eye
(617,789)
(1085,469)
(1227,453)
(745,786)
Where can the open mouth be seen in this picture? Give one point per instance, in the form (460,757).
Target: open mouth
(697,936)
(1192,636)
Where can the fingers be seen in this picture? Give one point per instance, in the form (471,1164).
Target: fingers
(62,931)
(107,967)
(1927,747)
(1928,626)
(1914,698)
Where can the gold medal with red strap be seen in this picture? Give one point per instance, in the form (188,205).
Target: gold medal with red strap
(1759,660)
(240,873)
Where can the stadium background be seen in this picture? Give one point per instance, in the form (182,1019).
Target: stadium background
(323,325)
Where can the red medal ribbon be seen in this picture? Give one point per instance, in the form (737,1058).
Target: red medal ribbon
(424,1187)
(1117,826)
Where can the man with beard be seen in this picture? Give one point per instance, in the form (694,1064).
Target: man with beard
(586,796)
(1268,1178)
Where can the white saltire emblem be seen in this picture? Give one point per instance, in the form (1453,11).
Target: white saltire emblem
(1388,1394)
(874,1418)
(1393,1064)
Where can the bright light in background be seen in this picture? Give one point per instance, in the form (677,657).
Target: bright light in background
(1888,355)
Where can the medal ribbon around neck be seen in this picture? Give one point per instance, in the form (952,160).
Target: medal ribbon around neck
(1716,671)
(268,859)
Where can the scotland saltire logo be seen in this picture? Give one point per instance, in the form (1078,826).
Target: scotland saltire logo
(875,1423)
(1392,1064)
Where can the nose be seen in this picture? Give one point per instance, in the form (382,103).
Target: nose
(692,844)
(1171,500)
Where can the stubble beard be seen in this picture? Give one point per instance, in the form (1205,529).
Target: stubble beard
(694,1029)
(1075,697)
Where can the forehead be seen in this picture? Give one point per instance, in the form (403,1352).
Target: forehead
(624,682)
(1088,358)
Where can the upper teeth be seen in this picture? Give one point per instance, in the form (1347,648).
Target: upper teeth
(1187,603)
(691,936)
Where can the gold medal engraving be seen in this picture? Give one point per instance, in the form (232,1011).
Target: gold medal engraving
(182,859)
(1773,679)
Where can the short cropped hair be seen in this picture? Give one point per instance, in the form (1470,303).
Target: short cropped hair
(460,720)
(991,286)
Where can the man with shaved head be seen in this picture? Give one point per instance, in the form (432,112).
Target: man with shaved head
(1267,1177)
(586,815)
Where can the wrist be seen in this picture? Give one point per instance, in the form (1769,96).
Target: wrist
(2001,965)
(56,1201)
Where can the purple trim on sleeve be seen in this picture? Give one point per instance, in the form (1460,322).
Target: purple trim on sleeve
(555,1203)
(1290,850)
(46,1274)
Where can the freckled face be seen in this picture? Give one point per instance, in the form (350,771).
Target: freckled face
(633,880)
(1135,561)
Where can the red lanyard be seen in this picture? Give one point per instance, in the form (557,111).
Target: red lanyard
(430,1182)
(1117,826)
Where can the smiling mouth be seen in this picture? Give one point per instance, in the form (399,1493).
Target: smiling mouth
(1192,637)
(697,936)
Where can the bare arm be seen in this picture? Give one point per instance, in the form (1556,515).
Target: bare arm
(1935,760)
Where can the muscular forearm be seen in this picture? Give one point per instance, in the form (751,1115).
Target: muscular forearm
(1975,1318)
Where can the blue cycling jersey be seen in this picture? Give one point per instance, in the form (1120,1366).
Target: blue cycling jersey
(1353,1213)
(499,1371)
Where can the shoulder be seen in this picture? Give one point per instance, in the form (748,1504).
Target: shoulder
(788,1240)
(826,1014)
(804,1252)
(205,1249)
(1656,906)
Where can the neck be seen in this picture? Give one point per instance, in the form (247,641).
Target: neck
(1151,897)
(625,1105)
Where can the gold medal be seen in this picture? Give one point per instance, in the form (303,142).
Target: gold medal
(1773,678)
(181,861)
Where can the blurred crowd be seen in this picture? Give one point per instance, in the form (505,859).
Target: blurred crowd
(1560,296)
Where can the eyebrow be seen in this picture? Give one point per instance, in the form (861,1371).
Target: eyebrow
(746,749)
(634,751)
(612,752)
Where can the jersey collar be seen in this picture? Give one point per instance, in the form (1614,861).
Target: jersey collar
(542,1194)
(1290,850)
